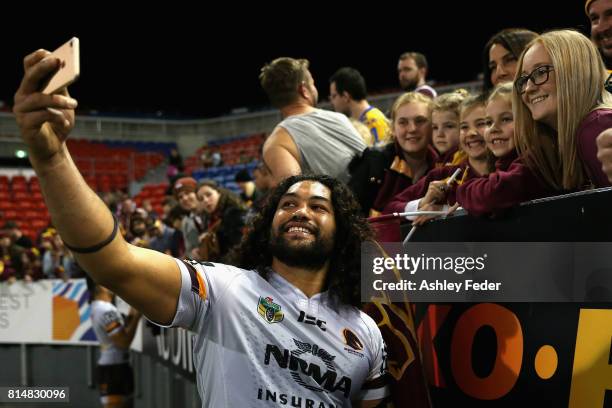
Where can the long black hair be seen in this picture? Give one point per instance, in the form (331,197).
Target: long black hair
(344,276)
(514,40)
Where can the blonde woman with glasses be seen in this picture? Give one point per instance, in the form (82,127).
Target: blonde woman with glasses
(561,107)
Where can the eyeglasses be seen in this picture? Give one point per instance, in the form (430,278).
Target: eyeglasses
(538,76)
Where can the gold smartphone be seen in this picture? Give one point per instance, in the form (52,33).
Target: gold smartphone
(69,68)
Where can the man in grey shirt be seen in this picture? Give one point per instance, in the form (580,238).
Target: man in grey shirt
(308,140)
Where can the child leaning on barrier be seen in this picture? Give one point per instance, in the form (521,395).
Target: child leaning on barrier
(433,191)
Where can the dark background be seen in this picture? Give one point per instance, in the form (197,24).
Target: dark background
(205,62)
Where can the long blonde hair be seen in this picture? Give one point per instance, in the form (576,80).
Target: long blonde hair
(579,78)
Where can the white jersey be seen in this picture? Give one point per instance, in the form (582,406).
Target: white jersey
(262,343)
(106,321)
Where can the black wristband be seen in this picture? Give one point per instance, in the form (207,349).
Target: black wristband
(97,247)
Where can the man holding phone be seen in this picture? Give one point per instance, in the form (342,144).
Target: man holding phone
(245,320)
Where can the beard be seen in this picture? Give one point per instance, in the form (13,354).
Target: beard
(606,52)
(409,85)
(308,255)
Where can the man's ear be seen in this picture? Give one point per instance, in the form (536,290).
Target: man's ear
(346,95)
(303,90)
(423,72)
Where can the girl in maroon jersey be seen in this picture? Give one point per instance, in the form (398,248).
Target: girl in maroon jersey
(432,192)
(512,181)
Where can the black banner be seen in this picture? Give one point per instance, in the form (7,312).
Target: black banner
(521,354)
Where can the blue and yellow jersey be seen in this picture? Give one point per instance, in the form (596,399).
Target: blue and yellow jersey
(378,124)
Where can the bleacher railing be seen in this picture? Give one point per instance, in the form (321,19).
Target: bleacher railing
(112,128)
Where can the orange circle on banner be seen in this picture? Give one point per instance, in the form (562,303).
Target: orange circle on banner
(546,362)
(509,357)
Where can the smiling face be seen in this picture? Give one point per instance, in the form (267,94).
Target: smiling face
(600,14)
(499,133)
(412,127)
(445,130)
(541,100)
(502,64)
(304,226)
(471,132)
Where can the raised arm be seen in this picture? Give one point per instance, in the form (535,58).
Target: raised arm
(501,190)
(146,279)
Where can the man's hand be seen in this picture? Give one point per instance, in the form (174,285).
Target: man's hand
(136,274)
(45,120)
(604,152)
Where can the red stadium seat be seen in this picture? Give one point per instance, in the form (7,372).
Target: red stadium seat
(38,224)
(10,214)
(19,187)
(20,196)
(157,200)
(26,205)
(120,181)
(160,191)
(6,205)
(30,215)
